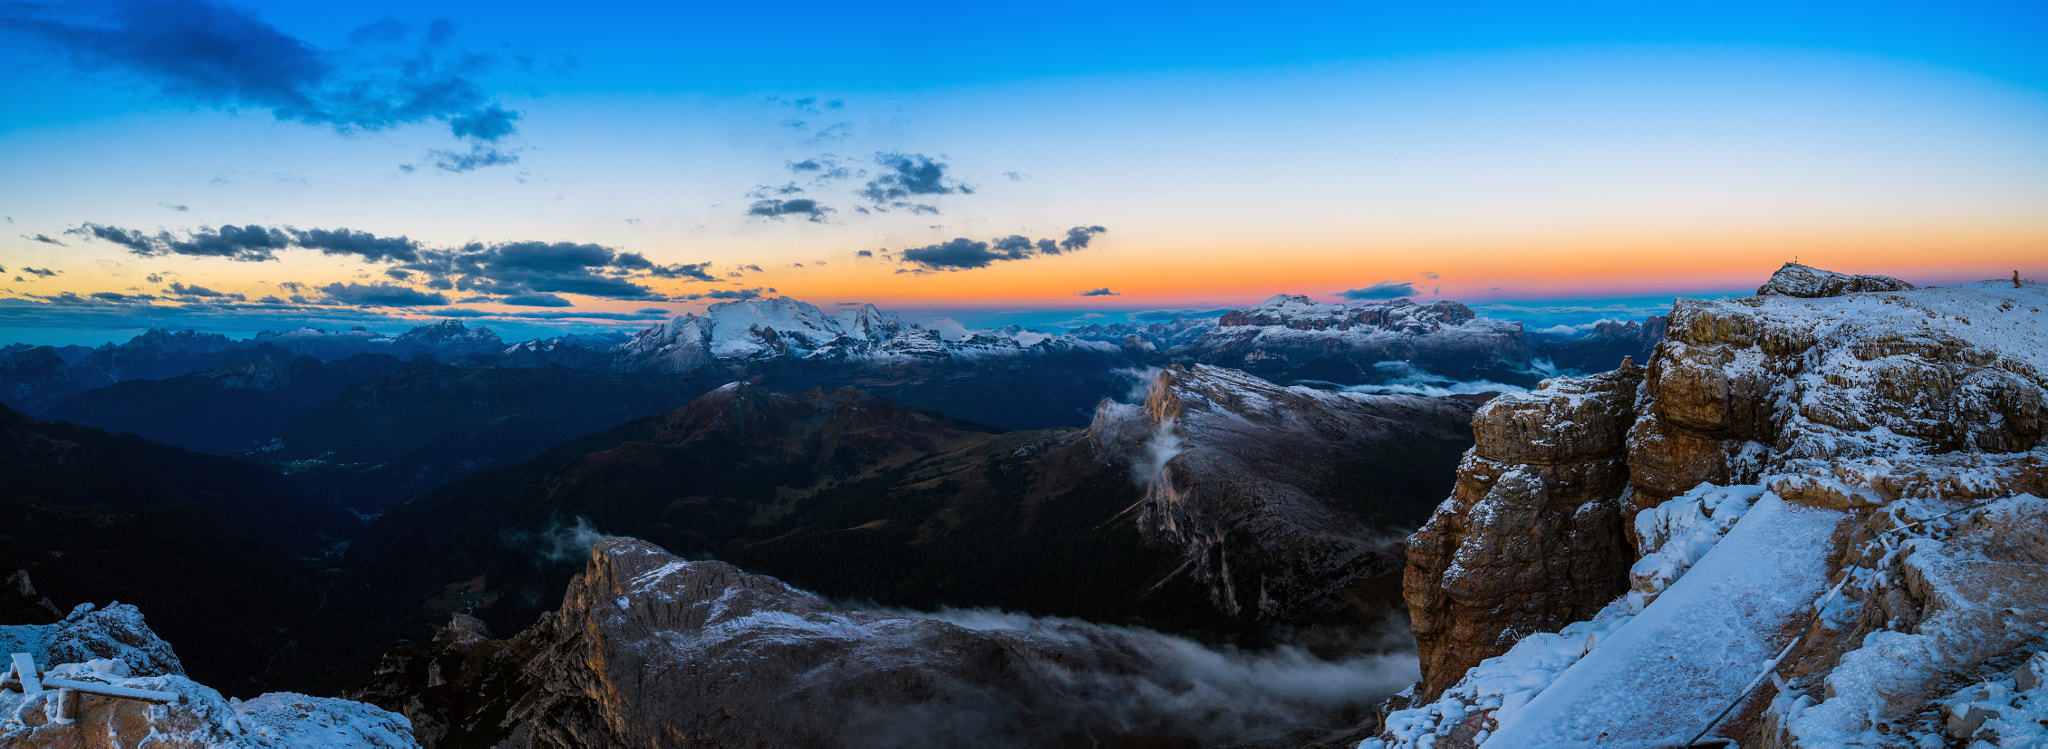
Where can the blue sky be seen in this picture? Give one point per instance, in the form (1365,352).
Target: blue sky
(601,165)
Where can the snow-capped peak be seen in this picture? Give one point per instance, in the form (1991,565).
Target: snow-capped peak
(784,328)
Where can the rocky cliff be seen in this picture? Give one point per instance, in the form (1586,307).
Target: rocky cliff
(1913,414)
(1221,502)
(1532,537)
(1282,502)
(651,650)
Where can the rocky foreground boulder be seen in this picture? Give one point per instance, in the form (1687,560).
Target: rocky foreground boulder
(1915,416)
(114,647)
(651,650)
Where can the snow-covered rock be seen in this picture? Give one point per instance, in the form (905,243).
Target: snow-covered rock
(784,329)
(112,646)
(116,631)
(1293,338)
(1916,413)
(1803,281)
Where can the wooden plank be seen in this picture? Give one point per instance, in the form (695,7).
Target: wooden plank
(108,690)
(24,671)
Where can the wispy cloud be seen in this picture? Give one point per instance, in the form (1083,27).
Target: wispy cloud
(805,208)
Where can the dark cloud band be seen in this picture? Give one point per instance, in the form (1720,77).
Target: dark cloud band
(966,254)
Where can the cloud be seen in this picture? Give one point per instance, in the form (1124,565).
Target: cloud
(201,291)
(176,207)
(864,253)
(1078,237)
(821,169)
(809,209)
(361,244)
(966,254)
(959,254)
(381,295)
(536,300)
(693,271)
(225,57)
(43,238)
(909,175)
(765,190)
(651,311)
(254,243)
(478,157)
(41,272)
(1170,315)
(489,123)
(501,269)
(832,132)
(733,294)
(135,241)
(1104,291)
(513,268)
(1016,176)
(1430,276)
(1382,290)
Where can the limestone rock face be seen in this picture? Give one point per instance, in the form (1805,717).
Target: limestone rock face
(1842,391)
(1802,281)
(650,650)
(1281,499)
(1532,537)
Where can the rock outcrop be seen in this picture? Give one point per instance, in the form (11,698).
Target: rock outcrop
(1281,500)
(651,650)
(112,646)
(1802,281)
(1859,394)
(1533,536)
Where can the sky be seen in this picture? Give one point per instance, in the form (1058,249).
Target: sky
(236,166)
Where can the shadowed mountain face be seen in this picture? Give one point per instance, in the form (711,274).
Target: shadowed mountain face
(71,465)
(854,496)
(33,379)
(211,546)
(408,431)
(1282,500)
(223,409)
(1601,348)
(36,378)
